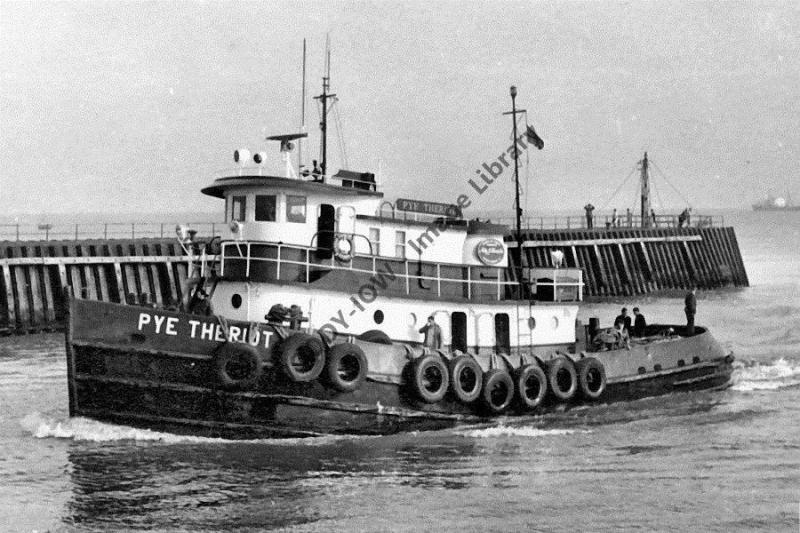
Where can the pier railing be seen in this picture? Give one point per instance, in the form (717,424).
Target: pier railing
(611,222)
(103,230)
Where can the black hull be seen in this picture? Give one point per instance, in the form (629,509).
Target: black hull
(167,384)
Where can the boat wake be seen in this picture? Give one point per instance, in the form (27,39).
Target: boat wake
(519,431)
(87,430)
(766,376)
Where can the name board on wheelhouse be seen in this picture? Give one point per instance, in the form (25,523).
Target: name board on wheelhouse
(428,208)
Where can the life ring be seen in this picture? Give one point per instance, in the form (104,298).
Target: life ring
(302,357)
(562,380)
(591,378)
(237,366)
(343,249)
(346,367)
(430,378)
(498,390)
(466,378)
(375,335)
(531,385)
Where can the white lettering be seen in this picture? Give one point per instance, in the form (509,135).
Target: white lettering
(218,336)
(194,324)
(144,318)
(159,322)
(267,335)
(233,333)
(254,337)
(207,331)
(171,322)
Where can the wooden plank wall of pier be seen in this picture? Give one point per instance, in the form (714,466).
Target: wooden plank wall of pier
(36,272)
(630,261)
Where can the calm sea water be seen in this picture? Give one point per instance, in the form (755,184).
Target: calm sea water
(722,461)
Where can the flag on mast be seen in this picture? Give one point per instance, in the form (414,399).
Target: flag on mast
(534,139)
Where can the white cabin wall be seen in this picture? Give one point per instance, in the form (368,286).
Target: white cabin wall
(554,324)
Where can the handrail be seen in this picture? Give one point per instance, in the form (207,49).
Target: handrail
(103,230)
(406,273)
(621,221)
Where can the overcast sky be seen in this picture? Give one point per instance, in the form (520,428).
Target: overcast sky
(131,107)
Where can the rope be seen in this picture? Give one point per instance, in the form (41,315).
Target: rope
(686,200)
(621,185)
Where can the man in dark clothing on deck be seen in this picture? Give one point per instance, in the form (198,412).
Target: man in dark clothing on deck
(639,324)
(589,208)
(433,334)
(624,319)
(690,309)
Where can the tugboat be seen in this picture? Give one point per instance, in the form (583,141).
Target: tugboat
(336,311)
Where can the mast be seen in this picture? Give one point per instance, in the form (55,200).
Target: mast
(302,112)
(514,111)
(646,222)
(323,125)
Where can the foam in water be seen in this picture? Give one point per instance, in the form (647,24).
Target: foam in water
(769,376)
(524,431)
(87,430)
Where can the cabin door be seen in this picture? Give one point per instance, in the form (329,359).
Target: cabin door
(458,331)
(326,227)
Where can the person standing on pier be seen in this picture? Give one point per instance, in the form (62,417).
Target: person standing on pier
(691,310)
(624,319)
(614,218)
(589,208)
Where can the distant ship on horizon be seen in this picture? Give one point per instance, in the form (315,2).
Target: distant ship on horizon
(776,203)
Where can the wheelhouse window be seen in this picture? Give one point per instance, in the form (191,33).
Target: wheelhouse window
(238,210)
(375,240)
(400,244)
(296,209)
(265,208)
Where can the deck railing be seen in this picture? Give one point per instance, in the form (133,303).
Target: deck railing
(260,261)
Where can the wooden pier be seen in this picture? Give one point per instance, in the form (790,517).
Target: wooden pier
(630,261)
(126,270)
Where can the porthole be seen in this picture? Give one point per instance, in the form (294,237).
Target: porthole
(695,359)
(554,322)
(378,316)
(681,362)
(236,301)
(657,368)
(531,323)
(412,319)
(642,370)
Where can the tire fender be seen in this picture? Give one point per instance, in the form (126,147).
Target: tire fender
(430,378)
(591,378)
(498,390)
(466,378)
(562,379)
(302,357)
(346,367)
(237,366)
(531,384)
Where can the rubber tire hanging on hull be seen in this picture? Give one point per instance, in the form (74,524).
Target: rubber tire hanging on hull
(498,390)
(562,379)
(375,335)
(237,366)
(430,378)
(346,367)
(591,378)
(466,378)
(531,385)
(302,357)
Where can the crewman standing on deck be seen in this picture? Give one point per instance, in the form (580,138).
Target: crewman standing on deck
(691,310)
(589,208)
(433,334)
